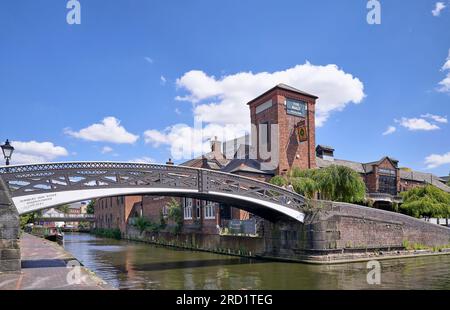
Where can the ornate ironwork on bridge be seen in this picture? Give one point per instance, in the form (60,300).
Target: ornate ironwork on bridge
(34,187)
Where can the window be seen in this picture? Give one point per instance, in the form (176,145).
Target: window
(165,211)
(198,210)
(209,210)
(188,209)
(264,136)
(387,171)
(387,185)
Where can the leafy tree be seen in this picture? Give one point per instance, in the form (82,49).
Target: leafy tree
(90,207)
(339,183)
(335,183)
(448,182)
(428,201)
(27,219)
(278,181)
(64,209)
(142,224)
(175,214)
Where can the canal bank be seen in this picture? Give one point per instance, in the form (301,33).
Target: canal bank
(256,247)
(46,265)
(136,265)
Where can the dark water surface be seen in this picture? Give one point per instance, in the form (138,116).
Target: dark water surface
(131,265)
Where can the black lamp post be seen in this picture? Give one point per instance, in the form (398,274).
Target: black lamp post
(8,150)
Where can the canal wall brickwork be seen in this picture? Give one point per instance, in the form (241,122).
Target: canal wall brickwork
(339,226)
(236,245)
(9,233)
(332,232)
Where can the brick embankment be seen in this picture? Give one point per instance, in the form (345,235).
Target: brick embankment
(45,266)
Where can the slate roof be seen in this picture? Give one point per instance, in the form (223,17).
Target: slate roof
(358,167)
(424,178)
(246,165)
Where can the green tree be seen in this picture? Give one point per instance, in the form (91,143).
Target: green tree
(90,207)
(448,182)
(175,214)
(27,219)
(428,201)
(64,209)
(142,224)
(335,183)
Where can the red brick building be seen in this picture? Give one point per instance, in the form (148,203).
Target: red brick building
(282,137)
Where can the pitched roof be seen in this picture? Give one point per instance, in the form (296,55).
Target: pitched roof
(423,177)
(284,87)
(358,167)
(246,165)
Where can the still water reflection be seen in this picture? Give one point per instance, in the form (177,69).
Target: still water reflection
(130,265)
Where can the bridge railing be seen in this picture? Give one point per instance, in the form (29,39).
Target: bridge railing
(67,215)
(53,177)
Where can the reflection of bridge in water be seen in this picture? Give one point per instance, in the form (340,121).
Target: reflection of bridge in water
(66,218)
(41,186)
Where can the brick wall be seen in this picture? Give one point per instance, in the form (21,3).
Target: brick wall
(291,152)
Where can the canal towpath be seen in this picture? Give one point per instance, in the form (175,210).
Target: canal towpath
(46,265)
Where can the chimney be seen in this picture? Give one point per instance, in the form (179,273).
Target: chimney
(216,145)
(170,162)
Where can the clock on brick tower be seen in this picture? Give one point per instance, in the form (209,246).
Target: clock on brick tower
(283,128)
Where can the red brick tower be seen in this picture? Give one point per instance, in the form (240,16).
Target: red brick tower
(294,113)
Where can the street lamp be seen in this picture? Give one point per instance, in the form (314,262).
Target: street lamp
(8,150)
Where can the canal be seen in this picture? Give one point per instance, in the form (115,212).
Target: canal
(132,265)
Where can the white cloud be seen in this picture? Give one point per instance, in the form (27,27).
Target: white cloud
(436,160)
(436,118)
(106,150)
(177,111)
(149,60)
(163,80)
(389,130)
(444,85)
(186,142)
(227,96)
(220,103)
(142,160)
(415,124)
(439,6)
(109,130)
(36,152)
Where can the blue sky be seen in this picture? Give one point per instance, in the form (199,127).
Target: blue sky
(140,69)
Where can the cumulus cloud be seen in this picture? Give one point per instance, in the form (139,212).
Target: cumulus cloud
(32,152)
(223,100)
(389,130)
(106,150)
(436,118)
(415,124)
(444,85)
(186,142)
(109,130)
(219,104)
(438,7)
(436,160)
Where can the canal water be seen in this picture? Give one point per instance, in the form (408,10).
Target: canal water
(133,265)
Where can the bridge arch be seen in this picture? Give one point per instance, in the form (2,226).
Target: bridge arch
(41,186)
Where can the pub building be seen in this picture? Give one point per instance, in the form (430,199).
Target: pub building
(282,137)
